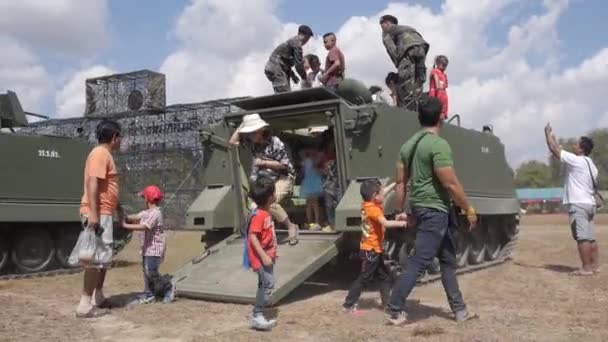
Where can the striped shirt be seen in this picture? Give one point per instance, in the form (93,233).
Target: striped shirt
(153,238)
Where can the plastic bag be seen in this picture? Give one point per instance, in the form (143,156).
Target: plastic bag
(90,250)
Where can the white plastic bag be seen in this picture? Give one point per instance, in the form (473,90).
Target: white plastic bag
(89,249)
(84,250)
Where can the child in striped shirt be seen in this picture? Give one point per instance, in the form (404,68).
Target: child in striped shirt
(150,222)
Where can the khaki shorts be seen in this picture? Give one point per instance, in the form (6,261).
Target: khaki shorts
(106,224)
(581,222)
(283,188)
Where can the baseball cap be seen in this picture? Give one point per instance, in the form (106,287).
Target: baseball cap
(151,193)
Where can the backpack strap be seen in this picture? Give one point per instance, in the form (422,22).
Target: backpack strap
(413,153)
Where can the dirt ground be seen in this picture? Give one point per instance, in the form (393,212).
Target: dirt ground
(529,298)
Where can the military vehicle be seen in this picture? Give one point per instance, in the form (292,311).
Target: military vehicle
(367,138)
(40,192)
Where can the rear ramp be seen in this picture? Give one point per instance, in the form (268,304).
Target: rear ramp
(218,274)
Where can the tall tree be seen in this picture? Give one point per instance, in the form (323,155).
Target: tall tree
(534,174)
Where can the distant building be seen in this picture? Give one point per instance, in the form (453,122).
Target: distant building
(543,200)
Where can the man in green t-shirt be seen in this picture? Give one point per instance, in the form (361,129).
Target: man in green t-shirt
(432,182)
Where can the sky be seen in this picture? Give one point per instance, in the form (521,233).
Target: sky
(514,64)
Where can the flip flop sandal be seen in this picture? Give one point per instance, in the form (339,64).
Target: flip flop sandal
(93,313)
(581,273)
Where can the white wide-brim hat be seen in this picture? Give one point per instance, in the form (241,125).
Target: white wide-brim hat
(252,123)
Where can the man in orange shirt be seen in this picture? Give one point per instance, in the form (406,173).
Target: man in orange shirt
(99,201)
(373,224)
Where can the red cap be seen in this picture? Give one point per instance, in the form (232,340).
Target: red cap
(152,193)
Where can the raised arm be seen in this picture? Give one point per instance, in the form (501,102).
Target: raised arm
(551,142)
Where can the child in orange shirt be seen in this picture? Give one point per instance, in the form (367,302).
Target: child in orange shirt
(373,224)
(439,83)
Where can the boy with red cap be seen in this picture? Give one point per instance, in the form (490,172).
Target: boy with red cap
(150,221)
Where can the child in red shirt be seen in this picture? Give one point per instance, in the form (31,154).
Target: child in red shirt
(439,83)
(262,249)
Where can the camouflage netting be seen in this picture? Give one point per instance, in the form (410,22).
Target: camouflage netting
(139,90)
(159,147)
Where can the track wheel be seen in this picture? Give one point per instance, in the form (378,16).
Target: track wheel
(65,240)
(462,247)
(478,237)
(33,250)
(4,252)
(494,239)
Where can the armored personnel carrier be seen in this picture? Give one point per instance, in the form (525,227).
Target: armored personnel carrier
(367,138)
(40,192)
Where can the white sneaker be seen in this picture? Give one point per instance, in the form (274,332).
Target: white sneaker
(259,322)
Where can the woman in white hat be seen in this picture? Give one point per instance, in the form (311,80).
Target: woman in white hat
(271,161)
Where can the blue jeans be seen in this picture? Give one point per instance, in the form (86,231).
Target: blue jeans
(151,265)
(265,287)
(433,238)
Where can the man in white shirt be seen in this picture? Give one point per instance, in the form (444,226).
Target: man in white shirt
(579,190)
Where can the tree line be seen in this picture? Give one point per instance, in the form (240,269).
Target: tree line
(539,174)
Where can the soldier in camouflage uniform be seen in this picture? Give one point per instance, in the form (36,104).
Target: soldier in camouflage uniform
(285,56)
(407,49)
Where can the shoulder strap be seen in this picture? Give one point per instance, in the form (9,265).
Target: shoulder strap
(412,153)
(591,175)
(595,189)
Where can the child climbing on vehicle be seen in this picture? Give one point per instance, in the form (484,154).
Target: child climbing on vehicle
(261,249)
(153,246)
(373,224)
(439,83)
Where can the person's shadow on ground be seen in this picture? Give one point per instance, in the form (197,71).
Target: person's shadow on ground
(122,300)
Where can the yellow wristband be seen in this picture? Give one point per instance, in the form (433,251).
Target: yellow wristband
(471,211)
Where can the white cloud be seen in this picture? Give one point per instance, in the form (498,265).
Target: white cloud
(21,73)
(63,26)
(71,98)
(516,85)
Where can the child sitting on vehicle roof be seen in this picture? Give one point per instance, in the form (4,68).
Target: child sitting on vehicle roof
(153,245)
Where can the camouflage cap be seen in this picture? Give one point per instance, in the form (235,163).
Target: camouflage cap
(389,18)
(305,29)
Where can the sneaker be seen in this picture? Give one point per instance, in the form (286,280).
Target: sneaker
(259,322)
(328,229)
(392,318)
(314,227)
(143,299)
(170,294)
(464,315)
(350,309)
